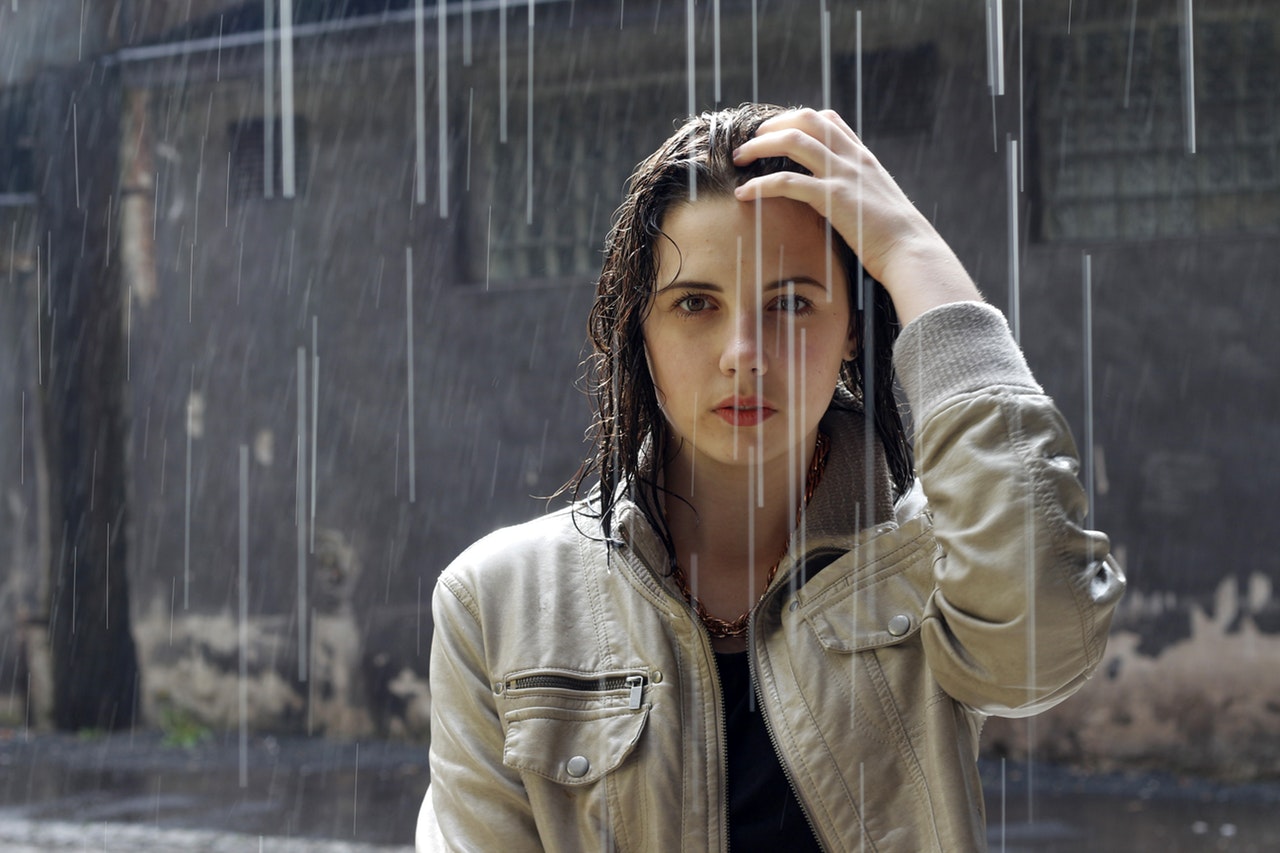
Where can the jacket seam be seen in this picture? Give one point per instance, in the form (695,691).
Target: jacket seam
(591,582)
(712,758)
(800,763)
(459,591)
(902,737)
(1055,523)
(615,827)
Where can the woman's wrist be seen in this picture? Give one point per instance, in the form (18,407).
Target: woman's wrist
(923,273)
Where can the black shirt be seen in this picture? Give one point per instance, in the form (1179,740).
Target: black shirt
(764,814)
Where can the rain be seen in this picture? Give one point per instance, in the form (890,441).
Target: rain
(220,550)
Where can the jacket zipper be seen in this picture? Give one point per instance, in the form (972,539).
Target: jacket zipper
(786,771)
(633,683)
(724,727)
(764,714)
(718,693)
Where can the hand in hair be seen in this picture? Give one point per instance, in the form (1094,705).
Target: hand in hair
(896,244)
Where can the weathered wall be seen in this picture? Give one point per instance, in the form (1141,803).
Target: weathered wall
(1184,394)
(1185,429)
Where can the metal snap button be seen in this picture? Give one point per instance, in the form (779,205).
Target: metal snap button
(899,624)
(578,766)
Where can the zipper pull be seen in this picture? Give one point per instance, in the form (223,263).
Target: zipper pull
(636,683)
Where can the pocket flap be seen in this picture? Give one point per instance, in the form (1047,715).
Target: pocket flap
(571,746)
(886,609)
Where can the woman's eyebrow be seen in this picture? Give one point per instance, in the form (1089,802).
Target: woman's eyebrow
(776,284)
(793,281)
(692,285)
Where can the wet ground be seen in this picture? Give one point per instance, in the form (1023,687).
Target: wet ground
(285,788)
(138,793)
(1050,809)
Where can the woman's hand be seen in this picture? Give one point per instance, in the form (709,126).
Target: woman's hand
(893,240)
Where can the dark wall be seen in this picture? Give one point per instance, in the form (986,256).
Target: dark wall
(1183,430)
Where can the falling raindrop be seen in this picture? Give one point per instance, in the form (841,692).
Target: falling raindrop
(1128,63)
(995,46)
(502,71)
(528,125)
(466,33)
(408,296)
(315,421)
(355,788)
(287,153)
(1189,74)
(186,533)
(1087,286)
(755,50)
(1022,98)
(1015,297)
(243,644)
(442,87)
(826,68)
(419,103)
(300,518)
(75,148)
(716,43)
(268,100)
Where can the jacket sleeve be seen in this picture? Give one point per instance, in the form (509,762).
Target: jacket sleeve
(475,802)
(1023,594)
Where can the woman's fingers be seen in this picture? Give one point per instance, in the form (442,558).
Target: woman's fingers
(794,185)
(838,120)
(843,169)
(848,186)
(796,145)
(826,126)
(814,140)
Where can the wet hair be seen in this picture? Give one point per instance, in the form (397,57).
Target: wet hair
(697,163)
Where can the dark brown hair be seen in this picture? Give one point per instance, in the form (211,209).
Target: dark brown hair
(697,162)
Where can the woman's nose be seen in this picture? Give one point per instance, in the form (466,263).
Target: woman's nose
(743,350)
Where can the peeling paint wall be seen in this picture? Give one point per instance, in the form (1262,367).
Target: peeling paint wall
(1206,704)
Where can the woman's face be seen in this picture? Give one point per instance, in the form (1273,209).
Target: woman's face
(747,328)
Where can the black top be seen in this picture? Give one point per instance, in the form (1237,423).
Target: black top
(764,814)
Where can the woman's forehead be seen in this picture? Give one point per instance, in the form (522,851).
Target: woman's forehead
(770,233)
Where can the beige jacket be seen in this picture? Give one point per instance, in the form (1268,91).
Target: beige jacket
(576,704)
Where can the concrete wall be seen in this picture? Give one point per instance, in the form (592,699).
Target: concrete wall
(1183,432)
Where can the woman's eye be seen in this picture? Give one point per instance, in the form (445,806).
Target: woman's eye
(791,303)
(693,304)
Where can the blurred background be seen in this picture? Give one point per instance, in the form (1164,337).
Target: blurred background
(293,298)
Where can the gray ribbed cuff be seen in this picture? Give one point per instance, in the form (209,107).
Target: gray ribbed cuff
(955,349)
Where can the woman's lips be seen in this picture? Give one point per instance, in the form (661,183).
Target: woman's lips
(745,412)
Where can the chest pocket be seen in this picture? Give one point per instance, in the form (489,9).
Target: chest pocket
(879,601)
(573,728)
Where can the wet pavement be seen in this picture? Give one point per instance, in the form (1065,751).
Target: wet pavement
(1049,809)
(287,794)
(136,792)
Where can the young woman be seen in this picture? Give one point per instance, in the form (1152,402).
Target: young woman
(763,629)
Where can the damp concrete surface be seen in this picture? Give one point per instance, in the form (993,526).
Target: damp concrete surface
(139,792)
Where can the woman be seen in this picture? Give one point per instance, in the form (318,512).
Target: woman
(762,630)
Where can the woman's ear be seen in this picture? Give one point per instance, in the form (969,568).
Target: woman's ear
(851,348)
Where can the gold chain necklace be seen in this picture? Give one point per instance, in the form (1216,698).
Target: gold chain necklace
(722,628)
